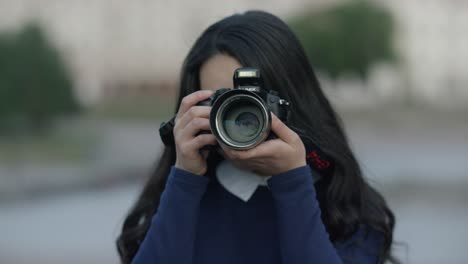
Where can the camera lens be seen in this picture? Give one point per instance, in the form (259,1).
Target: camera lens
(240,119)
(242,122)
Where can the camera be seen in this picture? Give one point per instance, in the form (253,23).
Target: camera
(240,118)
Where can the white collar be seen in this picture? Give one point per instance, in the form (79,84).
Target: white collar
(240,183)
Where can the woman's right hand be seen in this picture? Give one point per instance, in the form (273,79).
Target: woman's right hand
(189,121)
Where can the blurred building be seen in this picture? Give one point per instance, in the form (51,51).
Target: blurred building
(113,44)
(433,41)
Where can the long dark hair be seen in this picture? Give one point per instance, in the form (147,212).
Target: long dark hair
(261,40)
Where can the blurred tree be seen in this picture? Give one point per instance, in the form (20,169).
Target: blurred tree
(35,86)
(346,38)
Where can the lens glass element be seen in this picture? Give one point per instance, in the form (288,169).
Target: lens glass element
(243,121)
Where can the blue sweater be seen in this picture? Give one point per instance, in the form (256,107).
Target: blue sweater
(198,221)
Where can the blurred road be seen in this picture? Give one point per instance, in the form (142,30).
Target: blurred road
(77,227)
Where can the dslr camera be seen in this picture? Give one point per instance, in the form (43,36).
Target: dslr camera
(240,118)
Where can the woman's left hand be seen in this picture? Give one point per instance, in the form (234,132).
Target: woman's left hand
(271,157)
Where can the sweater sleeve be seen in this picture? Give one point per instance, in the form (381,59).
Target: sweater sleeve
(302,234)
(171,236)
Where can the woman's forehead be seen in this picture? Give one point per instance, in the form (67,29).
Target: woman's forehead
(217,72)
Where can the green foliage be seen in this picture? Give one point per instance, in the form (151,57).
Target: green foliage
(346,38)
(35,86)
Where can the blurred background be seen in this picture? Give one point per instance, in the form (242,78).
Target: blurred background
(84,86)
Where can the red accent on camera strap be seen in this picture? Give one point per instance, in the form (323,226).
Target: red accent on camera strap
(317,161)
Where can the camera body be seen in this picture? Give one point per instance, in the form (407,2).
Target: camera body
(240,118)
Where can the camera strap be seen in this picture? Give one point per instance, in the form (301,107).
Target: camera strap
(315,157)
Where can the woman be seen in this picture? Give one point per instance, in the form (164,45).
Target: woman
(193,211)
